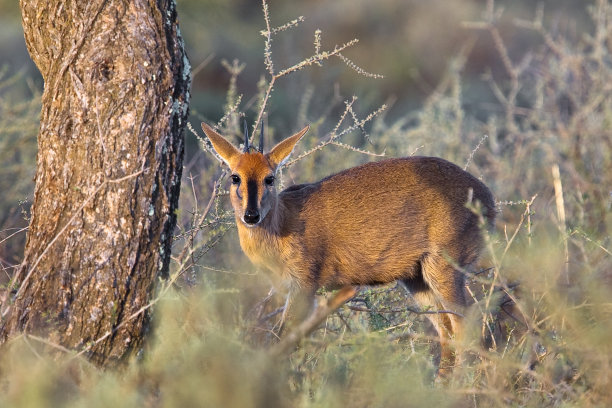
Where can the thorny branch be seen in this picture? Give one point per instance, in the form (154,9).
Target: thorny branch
(324,309)
(316,59)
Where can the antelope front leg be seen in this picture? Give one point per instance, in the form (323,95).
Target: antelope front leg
(318,315)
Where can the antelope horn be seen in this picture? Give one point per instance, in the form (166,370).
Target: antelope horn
(261,138)
(246,137)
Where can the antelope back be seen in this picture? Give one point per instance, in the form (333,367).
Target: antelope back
(381,221)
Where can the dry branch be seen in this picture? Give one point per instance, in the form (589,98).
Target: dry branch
(323,310)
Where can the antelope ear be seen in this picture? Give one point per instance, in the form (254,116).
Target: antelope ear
(280,153)
(224,149)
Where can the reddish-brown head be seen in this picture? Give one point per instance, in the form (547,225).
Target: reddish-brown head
(253,174)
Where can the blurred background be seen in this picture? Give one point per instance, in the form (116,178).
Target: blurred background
(412,43)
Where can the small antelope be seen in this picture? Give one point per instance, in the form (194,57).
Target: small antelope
(399,219)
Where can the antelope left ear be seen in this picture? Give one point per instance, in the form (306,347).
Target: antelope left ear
(281,152)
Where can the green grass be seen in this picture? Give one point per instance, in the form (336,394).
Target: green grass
(204,352)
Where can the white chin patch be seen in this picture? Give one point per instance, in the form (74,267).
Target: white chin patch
(246,224)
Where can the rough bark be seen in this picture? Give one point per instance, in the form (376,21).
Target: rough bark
(110,151)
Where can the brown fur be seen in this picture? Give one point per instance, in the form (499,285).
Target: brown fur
(399,219)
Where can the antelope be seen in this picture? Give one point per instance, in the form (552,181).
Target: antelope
(401,219)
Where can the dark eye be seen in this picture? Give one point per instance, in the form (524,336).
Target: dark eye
(235,179)
(269,180)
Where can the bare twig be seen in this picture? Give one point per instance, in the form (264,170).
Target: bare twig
(403,310)
(202,65)
(525,213)
(334,135)
(471,157)
(316,59)
(323,310)
(561,217)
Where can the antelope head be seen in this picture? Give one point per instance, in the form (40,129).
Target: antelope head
(253,173)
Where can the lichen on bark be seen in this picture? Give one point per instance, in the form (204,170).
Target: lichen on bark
(110,151)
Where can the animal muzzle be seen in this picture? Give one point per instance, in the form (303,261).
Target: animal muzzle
(251,217)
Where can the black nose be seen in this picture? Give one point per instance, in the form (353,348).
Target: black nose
(251,216)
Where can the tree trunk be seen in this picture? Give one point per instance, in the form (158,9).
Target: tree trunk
(110,152)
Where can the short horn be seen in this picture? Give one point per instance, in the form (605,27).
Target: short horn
(246,137)
(261,138)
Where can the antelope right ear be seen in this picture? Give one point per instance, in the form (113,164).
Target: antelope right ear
(224,149)
(280,153)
